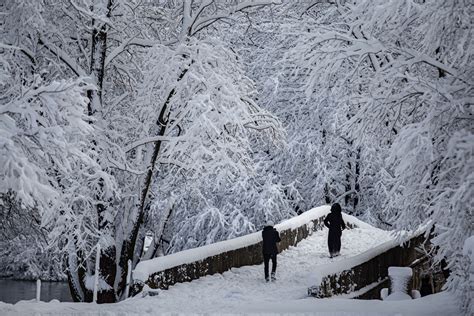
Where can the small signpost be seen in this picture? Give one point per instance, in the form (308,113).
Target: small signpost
(38,290)
(96,276)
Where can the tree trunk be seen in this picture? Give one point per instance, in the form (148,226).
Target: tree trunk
(97,66)
(107,266)
(128,246)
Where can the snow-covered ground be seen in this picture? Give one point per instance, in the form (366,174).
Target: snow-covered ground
(243,290)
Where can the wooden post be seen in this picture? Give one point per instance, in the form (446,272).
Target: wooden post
(38,290)
(96,276)
(129,276)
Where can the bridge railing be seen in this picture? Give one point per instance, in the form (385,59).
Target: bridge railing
(363,276)
(219,257)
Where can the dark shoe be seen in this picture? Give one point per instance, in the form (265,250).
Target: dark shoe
(267,279)
(273,276)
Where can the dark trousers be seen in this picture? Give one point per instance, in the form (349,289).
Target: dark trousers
(334,241)
(266,261)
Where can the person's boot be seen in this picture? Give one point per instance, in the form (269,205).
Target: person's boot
(267,279)
(273,276)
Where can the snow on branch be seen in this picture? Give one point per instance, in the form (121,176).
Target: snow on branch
(134,41)
(153,139)
(198,22)
(64,57)
(90,14)
(28,53)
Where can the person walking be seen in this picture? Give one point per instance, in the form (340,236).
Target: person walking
(270,238)
(336,225)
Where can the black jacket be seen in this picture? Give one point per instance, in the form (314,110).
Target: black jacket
(334,222)
(270,238)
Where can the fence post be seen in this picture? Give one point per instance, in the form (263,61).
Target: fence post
(129,277)
(38,290)
(96,276)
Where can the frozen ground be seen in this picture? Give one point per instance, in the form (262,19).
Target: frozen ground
(243,290)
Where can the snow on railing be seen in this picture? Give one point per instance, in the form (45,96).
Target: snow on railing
(148,267)
(352,274)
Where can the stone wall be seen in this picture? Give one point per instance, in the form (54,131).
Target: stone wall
(374,272)
(250,255)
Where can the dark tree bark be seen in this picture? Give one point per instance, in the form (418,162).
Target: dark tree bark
(107,265)
(128,246)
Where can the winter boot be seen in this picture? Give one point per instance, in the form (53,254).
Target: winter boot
(273,276)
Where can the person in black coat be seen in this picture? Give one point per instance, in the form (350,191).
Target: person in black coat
(270,238)
(336,225)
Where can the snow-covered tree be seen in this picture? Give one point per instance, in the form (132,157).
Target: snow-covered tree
(77,66)
(405,70)
(321,162)
(209,124)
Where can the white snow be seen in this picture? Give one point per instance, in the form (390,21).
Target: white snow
(148,267)
(361,291)
(398,296)
(468,249)
(243,290)
(399,277)
(377,249)
(247,284)
(400,271)
(145,268)
(89,282)
(440,304)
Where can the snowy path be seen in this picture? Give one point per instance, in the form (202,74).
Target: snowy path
(246,285)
